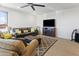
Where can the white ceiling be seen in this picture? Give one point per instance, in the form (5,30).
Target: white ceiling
(49,7)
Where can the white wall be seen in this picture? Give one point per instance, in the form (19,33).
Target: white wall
(67,21)
(19,19)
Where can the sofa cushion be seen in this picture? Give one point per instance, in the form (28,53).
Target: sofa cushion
(8,47)
(20,45)
(13,45)
(4,52)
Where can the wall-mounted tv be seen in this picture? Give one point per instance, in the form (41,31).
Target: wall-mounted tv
(49,23)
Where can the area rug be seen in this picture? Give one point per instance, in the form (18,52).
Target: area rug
(46,43)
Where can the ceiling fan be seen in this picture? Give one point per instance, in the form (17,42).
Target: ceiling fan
(32,5)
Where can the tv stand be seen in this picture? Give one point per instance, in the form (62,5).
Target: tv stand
(49,31)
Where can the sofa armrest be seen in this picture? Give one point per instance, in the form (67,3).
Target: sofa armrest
(29,50)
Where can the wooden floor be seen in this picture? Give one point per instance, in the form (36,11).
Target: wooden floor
(63,47)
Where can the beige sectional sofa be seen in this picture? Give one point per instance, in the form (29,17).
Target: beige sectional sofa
(17,47)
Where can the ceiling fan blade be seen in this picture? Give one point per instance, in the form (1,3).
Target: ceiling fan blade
(33,8)
(29,3)
(24,6)
(38,5)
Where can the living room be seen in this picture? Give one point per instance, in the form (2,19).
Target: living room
(23,16)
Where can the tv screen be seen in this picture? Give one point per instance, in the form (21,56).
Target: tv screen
(49,23)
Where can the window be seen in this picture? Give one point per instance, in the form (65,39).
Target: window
(3,19)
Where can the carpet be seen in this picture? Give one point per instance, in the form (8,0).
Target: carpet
(46,43)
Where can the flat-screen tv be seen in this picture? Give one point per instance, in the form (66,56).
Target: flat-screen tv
(49,23)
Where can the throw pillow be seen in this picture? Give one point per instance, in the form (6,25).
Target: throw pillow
(25,31)
(7,36)
(32,29)
(18,31)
